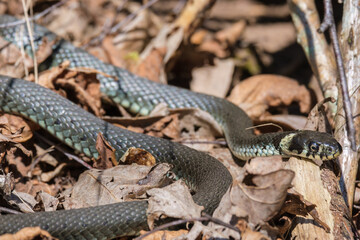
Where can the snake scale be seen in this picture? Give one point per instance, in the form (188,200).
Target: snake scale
(78,129)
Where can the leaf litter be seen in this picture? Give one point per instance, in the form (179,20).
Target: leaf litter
(154,45)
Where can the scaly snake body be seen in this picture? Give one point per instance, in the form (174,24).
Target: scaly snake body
(78,129)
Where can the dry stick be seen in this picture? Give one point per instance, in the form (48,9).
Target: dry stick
(8,210)
(329,23)
(116,28)
(106,28)
(31,41)
(205,217)
(36,17)
(132,16)
(69,155)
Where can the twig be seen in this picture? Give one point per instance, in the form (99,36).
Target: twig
(132,16)
(329,23)
(8,210)
(36,17)
(205,217)
(31,41)
(106,28)
(69,155)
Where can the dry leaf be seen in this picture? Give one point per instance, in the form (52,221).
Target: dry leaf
(28,233)
(255,197)
(24,201)
(167,126)
(152,67)
(49,202)
(163,235)
(47,77)
(286,121)
(47,176)
(173,201)
(138,156)
(15,128)
(247,233)
(206,79)
(106,152)
(256,94)
(117,184)
(296,204)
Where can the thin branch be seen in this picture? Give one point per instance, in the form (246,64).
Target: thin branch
(36,17)
(106,28)
(8,210)
(329,23)
(132,16)
(69,155)
(28,26)
(204,218)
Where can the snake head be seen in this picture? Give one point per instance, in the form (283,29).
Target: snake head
(311,145)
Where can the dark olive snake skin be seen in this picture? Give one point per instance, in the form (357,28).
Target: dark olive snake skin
(78,129)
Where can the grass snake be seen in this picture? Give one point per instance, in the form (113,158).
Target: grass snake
(78,129)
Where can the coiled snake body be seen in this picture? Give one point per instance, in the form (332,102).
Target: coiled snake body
(78,129)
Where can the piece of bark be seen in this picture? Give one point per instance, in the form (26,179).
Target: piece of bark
(349,43)
(319,185)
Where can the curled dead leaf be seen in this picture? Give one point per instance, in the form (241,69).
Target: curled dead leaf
(15,128)
(138,156)
(107,156)
(256,94)
(255,197)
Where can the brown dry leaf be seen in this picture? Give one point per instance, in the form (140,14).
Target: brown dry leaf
(173,201)
(107,157)
(231,34)
(220,42)
(89,102)
(287,121)
(117,184)
(15,128)
(255,197)
(198,125)
(47,78)
(138,156)
(266,36)
(24,201)
(256,94)
(132,40)
(9,146)
(194,125)
(152,67)
(167,126)
(48,176)
(28,233)
(33,187)
(264,165)
(11,63)
(296,204)
(49,202)
(206,79)
(247,233)
(69,22)
(164,235)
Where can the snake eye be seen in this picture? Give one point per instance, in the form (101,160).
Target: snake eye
(314,147)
